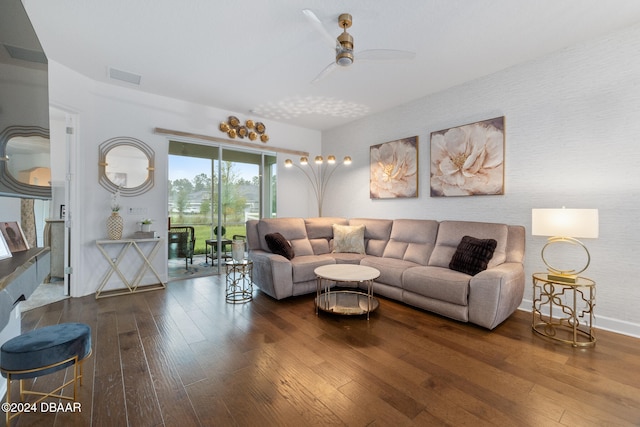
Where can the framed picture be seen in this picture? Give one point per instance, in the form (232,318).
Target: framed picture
(63,211)
(13,236)
(394,169)
(4,249)
(468,160)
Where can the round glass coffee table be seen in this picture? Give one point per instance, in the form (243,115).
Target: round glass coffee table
(347,302)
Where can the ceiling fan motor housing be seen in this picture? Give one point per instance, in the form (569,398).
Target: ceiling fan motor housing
(344,55)
(343,46)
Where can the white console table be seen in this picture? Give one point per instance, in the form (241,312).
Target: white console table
(132,284)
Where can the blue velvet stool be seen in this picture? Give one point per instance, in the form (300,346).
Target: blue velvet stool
(44,351)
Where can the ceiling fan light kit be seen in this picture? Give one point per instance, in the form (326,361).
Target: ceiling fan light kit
(344,58)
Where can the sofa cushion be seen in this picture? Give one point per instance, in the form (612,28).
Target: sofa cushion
(320,232)
(450,233)
(376,234)
(412,240)
(349,239)
(472,255)
(322,227)
(279,245)
(320,246)
(391,269)
(292,229)
(302,266)
(345,258)
(438,283)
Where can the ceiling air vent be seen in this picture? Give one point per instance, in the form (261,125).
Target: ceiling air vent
(26,54)
(124,76)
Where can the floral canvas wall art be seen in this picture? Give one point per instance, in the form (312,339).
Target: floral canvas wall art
(468,160)
(394,169)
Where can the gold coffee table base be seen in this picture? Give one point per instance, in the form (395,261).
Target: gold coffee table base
(345,302)
(350,303)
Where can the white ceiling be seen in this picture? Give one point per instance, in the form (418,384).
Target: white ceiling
(257,57)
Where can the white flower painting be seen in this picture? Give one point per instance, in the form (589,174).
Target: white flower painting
(394,169)
(468,160)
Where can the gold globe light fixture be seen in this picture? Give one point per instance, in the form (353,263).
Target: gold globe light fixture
(318,173)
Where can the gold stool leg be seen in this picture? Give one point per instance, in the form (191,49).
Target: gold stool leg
(8,399)
(56,394)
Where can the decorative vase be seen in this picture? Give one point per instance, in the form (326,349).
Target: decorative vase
(115,225)
(237,250)
(146,227)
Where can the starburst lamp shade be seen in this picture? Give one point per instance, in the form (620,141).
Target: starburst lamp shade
(565,226)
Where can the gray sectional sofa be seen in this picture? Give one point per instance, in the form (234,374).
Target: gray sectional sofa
(413,257)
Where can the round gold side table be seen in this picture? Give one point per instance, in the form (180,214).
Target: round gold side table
(564,311)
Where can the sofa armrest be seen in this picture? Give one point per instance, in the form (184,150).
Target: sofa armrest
(272,273)
(494,294)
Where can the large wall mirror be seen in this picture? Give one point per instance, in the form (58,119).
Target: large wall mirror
(25,161)
(126,164)
(24,107)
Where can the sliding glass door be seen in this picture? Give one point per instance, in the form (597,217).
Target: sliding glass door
(213,191)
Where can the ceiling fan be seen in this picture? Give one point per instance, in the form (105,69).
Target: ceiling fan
(343,46)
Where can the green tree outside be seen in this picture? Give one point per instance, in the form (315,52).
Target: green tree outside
(181,198)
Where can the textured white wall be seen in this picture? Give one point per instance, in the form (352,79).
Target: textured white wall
(107,111)
(572,129)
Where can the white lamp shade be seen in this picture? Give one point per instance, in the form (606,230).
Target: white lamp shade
(565,222)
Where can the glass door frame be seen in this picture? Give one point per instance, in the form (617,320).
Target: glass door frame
(265,194)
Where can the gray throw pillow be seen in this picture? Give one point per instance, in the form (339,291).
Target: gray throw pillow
(348,238)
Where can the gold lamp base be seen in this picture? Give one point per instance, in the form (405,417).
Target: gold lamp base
(560,275)
(565,278)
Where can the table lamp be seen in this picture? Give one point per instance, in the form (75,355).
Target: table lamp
(564,226)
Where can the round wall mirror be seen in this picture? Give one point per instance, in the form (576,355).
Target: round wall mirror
(126,164)
(25,164)
(28,159)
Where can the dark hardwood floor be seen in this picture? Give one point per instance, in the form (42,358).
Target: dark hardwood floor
(184,357)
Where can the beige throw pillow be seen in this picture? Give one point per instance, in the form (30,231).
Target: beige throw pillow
(348,238)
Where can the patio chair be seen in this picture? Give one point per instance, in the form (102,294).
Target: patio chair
(182,243)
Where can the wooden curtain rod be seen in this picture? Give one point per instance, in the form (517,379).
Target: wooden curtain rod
(260,147)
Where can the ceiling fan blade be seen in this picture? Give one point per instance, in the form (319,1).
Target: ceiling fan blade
(324,73)
(384,55)
(317,24)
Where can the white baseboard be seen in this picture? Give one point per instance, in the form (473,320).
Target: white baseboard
(601,322)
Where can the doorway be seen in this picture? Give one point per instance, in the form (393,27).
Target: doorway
(212,192)
(52,216)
